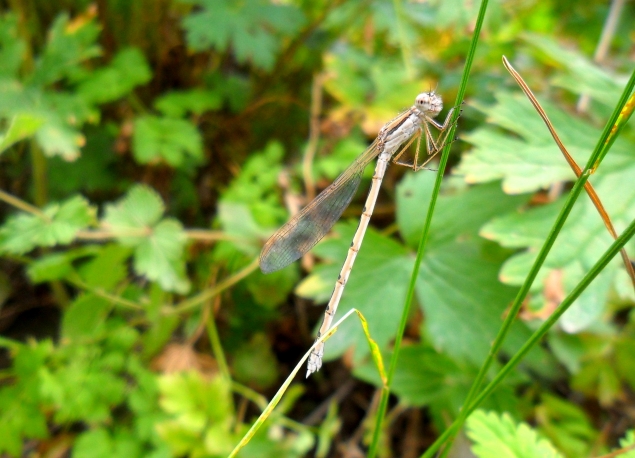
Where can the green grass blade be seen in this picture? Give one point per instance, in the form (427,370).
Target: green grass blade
(283,388)
(372,452)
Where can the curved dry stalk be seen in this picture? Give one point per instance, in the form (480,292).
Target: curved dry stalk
(588,187)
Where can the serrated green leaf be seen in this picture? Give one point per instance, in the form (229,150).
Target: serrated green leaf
(158,243)
(194,400)
(58,225)
(253,28)
(97,161)
(566,425)
(94,443)
(255,363)
(108,268)
(59,140)
(68,44)
(21,415)
(56,266)
(20,127)
(85,317)
(628,441)
(257,187)
(583,75)
(425,377)
(165,139)
(531,161)
(160,256)
(22,418)
(581,242)
(129,218)
(197,101)
(60,112)
(200,414)
(51,267)
(83,382)
(498,436)
(12,47)
(127,70)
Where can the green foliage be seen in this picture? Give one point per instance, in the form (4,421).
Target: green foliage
(499,436)
(146,160)
(165,139)
(628,441)
(426,377)
(566,425)
(158,243)
(200,415)
(83,380)
(540,164)
(253,28)
(472,307)
(57,224)
(60,112)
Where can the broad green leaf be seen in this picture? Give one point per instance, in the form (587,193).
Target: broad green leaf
(69,42)
(200,410)
(160,256)
(530,161)
(58,225)
(21,415)
(20,127)
(624,361)
(271,290)
(628,441)
(158,139)
(108,268)
(57,139)
(130,217)
(55,266)
(498,436)
(127,70)
(97,161)
(254,363)
(582,76)
(377,287)
(12,47)
(254,28)
(581,242)
(566,425)
(100,443)
(85,317)
(425,377)
(198,101)
(158,243)
(257,187)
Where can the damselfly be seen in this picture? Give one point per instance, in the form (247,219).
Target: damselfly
(307,227)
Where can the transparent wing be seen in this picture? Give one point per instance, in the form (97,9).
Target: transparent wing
(313,222)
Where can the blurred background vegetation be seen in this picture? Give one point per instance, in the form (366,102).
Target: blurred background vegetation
(149,148)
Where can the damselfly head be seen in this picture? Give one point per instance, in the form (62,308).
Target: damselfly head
(429,103)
